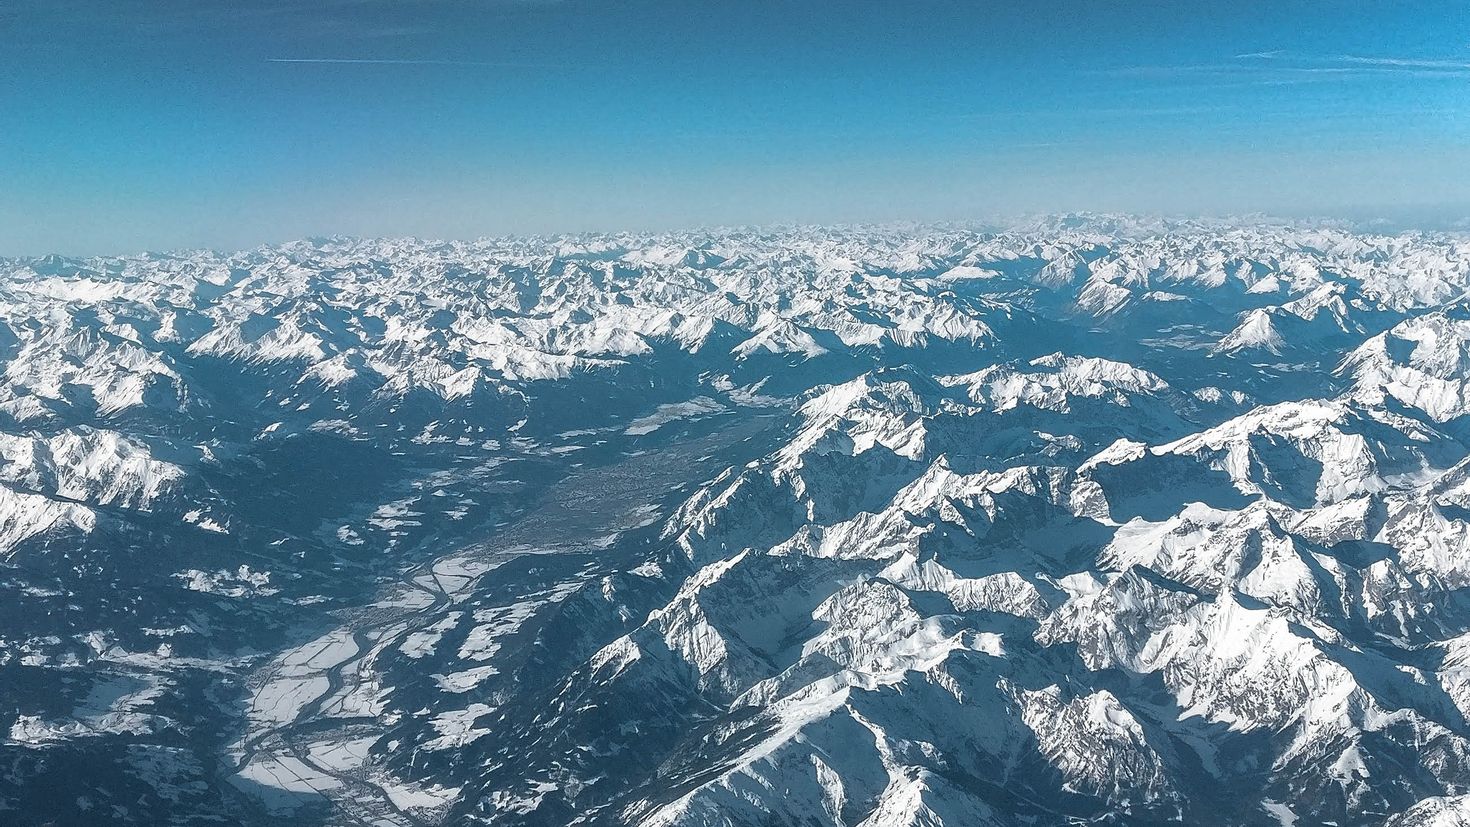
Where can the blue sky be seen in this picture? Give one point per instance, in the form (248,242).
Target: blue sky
(129,125)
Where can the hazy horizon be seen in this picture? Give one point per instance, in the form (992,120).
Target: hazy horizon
(1447,221)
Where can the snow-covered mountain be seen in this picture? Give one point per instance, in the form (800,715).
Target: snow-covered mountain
(1092,519)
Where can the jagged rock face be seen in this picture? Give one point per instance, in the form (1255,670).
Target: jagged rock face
(1088,520)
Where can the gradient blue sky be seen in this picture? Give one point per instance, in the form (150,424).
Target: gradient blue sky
(127,124)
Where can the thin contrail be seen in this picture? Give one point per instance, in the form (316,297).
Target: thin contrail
(392,61)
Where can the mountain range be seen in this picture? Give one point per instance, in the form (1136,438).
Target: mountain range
(1088,519)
